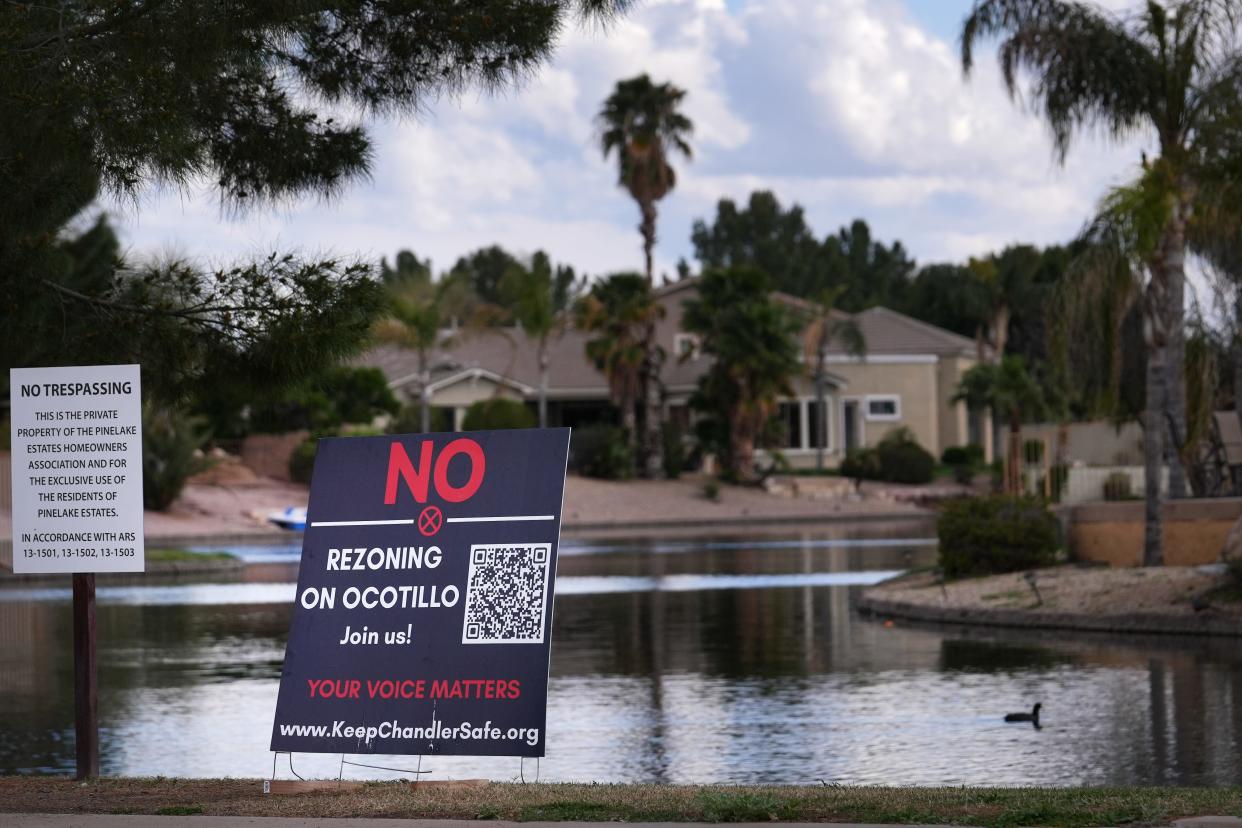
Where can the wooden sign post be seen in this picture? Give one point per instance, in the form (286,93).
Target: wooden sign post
(85,676)
(77,500)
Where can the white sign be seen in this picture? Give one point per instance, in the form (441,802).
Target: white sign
(77,469)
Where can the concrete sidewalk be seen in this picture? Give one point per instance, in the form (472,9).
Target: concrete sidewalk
(123,820)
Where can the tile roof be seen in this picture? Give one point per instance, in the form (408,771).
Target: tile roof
(508,353)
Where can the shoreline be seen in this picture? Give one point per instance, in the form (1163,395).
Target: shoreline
(920,598)
(1069,807)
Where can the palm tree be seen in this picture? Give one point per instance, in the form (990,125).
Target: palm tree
(828,326)
(751,338)
(1009,389)
(1168,70)
(419,312)
(619,310)
(642,123)
(537,298)
(414,321)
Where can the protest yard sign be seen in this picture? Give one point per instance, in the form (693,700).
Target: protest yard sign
(423,614)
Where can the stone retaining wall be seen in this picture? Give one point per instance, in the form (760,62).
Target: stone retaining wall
(267,455)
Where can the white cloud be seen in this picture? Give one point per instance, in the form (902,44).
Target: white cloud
(846,106)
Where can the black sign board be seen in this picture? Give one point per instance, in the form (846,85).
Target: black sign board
(423,616)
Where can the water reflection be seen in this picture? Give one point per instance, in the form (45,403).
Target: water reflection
(770,678)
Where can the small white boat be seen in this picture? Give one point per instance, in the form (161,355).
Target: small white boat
(292,518)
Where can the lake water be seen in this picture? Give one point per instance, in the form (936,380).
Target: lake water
(682,660)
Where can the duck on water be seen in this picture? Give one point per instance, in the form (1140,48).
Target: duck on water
(1032,717)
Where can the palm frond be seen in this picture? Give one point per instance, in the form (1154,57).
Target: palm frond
(1082,67)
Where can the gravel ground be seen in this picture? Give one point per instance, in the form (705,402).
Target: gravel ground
(230,501)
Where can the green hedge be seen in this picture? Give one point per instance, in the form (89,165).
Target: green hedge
(497,413)
(898,458)
(999,533)
(601,451)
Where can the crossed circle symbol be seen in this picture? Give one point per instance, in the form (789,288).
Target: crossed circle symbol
(430,521)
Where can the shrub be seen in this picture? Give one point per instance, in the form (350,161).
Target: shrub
(861,464)
(497,413)
(172,444)
(964,474)
(409,420)
(602,451)
(674,451)
(963,456)
(711,490)
(302,461)
(999,533)
(965,461)
(903,460)
(1117,486)
(1233,569)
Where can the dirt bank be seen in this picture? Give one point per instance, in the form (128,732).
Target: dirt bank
(1181,600)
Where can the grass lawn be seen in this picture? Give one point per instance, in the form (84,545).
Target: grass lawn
(161,555)
(991,807)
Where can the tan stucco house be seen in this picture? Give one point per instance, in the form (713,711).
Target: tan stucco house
(906,378)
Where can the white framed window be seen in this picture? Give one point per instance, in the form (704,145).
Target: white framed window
(790,416)
(686,346)
(883,407)
(823,420)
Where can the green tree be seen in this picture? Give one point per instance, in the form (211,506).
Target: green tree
(827,325)
(617,312)
(766,235)
(642,123)
(484,271)
(1171,71)
(112,98)
(778,241)
(406,271)
(752,340)
(1008,389)
(872,273)
(538,298)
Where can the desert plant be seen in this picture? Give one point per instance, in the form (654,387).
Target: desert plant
(999,533)
(1033,451)
(674,451)
(497,413)
(1117,486)
(172,444)
(602,451)
(1058,484)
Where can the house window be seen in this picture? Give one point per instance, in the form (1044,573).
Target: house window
(790,418)
(884,407)
(686,346)
(817,425)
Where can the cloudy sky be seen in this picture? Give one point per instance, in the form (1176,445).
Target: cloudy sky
(851,108)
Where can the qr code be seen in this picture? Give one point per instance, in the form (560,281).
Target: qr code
(506,593)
